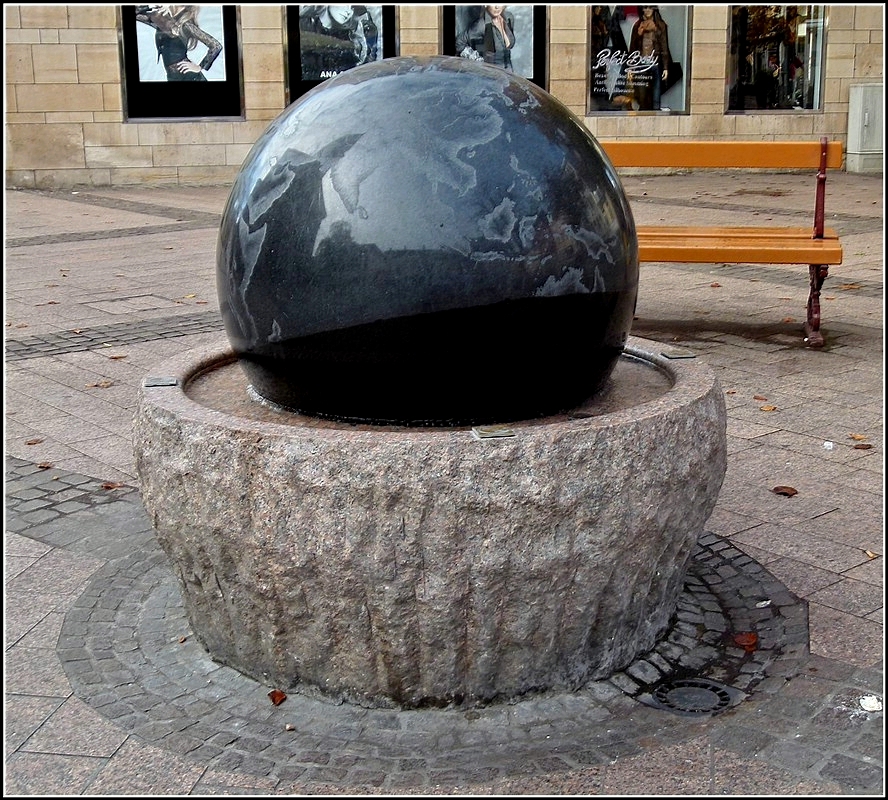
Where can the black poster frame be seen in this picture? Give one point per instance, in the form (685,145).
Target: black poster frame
(182,101)
(540,40)
(296,84)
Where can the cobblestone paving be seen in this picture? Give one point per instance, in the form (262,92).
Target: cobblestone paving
(128,651)
(108,692)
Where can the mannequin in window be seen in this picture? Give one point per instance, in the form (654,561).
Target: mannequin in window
(650,38)
(490,38)
(177,34)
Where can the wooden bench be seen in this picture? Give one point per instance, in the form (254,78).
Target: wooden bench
(818,247)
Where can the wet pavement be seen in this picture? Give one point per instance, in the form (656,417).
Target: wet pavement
(107,691)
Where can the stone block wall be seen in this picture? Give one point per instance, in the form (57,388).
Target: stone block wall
(64,110)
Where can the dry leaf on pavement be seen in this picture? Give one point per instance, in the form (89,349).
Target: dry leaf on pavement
(277,696)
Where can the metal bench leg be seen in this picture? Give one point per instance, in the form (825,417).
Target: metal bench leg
(813,336)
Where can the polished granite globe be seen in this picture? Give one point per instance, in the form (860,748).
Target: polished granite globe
(427,241)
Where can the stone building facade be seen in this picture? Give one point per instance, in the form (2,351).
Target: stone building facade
(66,126)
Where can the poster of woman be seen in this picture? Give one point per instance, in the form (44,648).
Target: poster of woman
(181,62)
(498,35)
(180,43)
(337,38)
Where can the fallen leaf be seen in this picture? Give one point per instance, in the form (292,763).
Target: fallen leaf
(858,437)
(748,640)
(102,384)
(22,325)
(789,320)
(45,465)
(112,485)
(849,286)
(715,285)
(49,303)
(34,441)
(863,447)
(768,408)
(759,397)
(116,358)
(189,296)
(871,554)
(183,639)
(786,491)
(200,302)
(731,391)
(277,696)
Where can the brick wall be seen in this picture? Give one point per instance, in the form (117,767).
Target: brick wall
(64,113)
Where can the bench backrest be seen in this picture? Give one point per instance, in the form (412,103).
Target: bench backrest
(725,155)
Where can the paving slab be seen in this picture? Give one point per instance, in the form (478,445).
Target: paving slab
(108,692)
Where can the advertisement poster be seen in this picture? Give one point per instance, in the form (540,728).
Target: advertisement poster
(336,38)
(639,58)
(510,37)
(181,62)
(181,46)
(323,41)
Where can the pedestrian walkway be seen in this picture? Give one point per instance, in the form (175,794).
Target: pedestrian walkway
(107,692)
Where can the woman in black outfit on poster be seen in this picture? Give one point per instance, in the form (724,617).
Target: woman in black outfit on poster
(490,38)
(176,34)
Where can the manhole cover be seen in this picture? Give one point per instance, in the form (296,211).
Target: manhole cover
(692,696)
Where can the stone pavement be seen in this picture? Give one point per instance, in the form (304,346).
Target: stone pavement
(107,692)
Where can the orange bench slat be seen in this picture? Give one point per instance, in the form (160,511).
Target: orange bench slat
(751,247)
(724,155)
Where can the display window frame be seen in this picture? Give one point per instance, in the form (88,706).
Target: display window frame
(776,61)
(148,96)
(532,58)
(300,78)
(622,78)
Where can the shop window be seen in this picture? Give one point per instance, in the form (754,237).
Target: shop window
(776,59)
(639,59)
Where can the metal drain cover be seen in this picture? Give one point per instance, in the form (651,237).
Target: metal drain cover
(692,697)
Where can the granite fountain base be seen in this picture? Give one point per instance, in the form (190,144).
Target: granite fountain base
(411,567)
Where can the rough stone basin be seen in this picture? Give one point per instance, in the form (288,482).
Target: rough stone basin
(425,566)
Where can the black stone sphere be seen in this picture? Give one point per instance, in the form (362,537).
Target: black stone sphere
(427,241)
